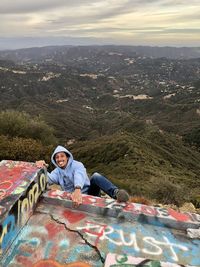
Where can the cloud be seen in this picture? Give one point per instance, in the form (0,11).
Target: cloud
(25,6)
(118,19)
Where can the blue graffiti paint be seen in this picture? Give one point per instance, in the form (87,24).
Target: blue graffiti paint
(47,249)
(63,247)
(16,250)
(152,242)
(8,223)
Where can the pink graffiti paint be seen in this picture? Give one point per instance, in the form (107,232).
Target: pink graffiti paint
(178,216)
(53,229)
(59,194)
(147,210)
(100,228)
(87,199)
(4,187)
(96,201)
(12,174)
(73,217)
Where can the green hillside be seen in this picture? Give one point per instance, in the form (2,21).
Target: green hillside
(152,164)
(130,116)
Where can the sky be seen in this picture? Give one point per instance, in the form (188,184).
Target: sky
(127,22)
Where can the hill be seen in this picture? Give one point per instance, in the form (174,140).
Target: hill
(126,115)
(66,53)
(148,163)
(105,86)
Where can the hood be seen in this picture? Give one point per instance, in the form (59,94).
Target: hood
(61,149)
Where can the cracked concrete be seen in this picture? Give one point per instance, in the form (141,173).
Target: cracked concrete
(67,235)
(101,232)
(83,238)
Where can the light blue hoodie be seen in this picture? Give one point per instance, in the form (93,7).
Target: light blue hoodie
(74,174)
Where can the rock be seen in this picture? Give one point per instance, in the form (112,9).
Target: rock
(193,233)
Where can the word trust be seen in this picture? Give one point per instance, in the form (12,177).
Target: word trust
(147,244)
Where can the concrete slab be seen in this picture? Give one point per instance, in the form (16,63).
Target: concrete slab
(101,232)
(64,235)
(21,184)
(131,211)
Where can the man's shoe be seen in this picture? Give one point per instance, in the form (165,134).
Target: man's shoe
(122,195)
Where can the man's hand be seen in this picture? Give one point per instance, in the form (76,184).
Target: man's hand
(76,197)
(41,164)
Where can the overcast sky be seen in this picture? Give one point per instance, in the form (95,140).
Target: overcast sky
(131,22)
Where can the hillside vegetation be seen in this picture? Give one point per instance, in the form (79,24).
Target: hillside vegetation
(152,164)
(23,137)
(132,116)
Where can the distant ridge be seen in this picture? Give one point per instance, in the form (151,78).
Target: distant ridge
(43,50)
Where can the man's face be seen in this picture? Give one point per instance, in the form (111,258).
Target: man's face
(61,159)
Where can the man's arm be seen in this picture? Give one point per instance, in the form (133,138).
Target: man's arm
(52,177)
(77,196)
(80,176)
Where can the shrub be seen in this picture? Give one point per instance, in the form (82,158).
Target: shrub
(167,192)
(21,124)
(193,137)
(23,149)
(196,201)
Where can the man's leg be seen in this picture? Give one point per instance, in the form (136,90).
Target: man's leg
(99,182)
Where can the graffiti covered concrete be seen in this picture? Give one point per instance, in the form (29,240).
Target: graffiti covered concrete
(66,235)
(131,211)
(21,185)
(43,239)
(114,260)
(101,232)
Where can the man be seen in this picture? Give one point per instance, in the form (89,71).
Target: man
(71,175)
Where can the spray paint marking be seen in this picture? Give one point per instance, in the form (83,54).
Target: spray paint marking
(118,237)
(73,217)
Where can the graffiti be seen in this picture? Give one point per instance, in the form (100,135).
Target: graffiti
(89,229)
(52,263)
(73,217)
(25,206)
(44,238)
(14,176)
(56,235)
(133,208)
(114,260)
(99,202)
(48,242)
(4,187)
(21,188)
(161,212)
(20,212)
(178,216)
(59,194)
(87,199)
(147,244)
(8,231)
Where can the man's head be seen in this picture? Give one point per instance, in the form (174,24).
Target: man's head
(61,159)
